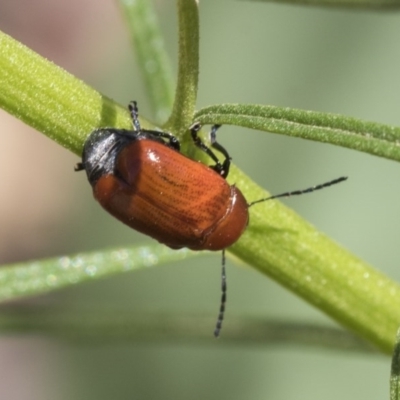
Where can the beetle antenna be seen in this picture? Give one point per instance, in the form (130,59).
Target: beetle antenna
(220,318)
(299,192)
(133,108)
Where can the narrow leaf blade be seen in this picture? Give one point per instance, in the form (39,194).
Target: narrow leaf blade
(369,137)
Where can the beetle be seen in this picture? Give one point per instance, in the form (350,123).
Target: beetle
(140,177)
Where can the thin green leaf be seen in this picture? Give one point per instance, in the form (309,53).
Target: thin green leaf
(188,69)
(98,325)
(151,55)
(357,4)
(369,137)
(37,277)
(395,371)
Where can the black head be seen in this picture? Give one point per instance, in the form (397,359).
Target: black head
(101,150)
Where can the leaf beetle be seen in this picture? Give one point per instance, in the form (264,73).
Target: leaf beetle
(140,177)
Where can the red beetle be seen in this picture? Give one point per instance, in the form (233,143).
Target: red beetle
(140,177)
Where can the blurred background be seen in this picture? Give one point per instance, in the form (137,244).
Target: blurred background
(343,62)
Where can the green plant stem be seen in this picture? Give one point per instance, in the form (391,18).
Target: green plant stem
(281,245)
(395,370)
(51,100)
(188,69)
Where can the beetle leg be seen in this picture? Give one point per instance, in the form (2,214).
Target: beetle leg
(79,167)
(172,140)
(227,162)
(218,167)
(135,115)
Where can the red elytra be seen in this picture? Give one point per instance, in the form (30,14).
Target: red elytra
(173,199)
(141,178)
